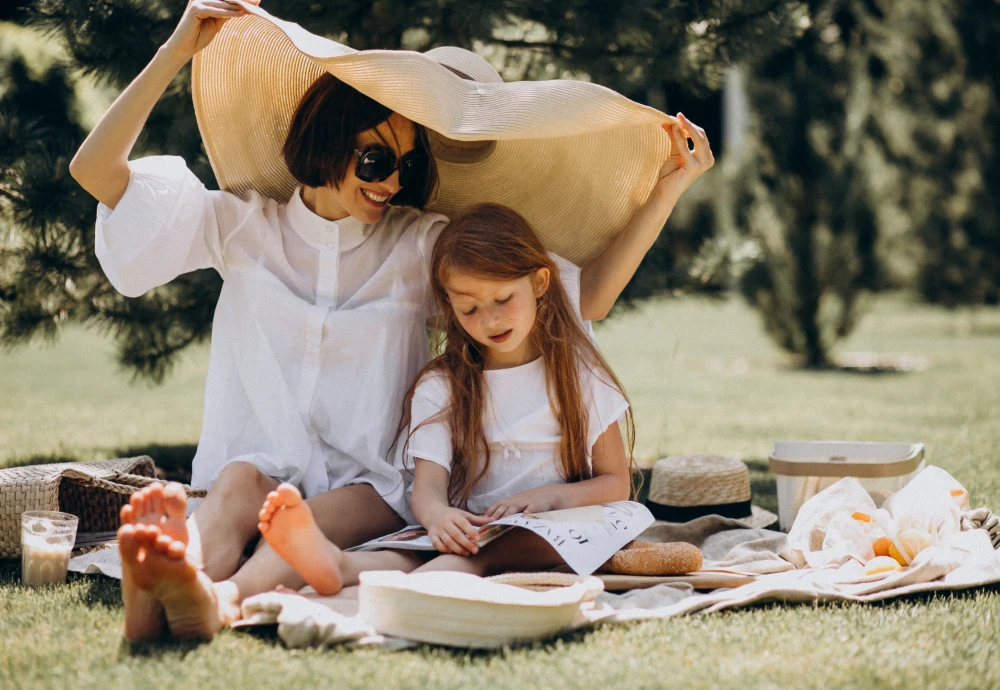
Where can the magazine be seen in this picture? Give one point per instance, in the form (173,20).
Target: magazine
(585,537)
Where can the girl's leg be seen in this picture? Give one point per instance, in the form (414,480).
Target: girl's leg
(226,519)
(517,550)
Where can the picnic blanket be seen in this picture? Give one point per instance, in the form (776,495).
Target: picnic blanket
(966,560)
(813,564)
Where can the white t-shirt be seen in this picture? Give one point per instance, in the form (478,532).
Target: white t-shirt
(318,332)
(522,433)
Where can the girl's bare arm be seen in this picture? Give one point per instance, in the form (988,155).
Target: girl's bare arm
(451,530)
(603,278)
(101,164)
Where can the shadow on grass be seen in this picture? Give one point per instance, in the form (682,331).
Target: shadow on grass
(49,459)
(173,462)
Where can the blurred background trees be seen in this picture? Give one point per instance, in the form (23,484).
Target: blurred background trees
(869,161)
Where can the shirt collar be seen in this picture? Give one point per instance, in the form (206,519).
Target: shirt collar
(344,234)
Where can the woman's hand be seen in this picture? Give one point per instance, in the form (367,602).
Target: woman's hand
(537,500)
(456,531)
(199,24)
(684,165)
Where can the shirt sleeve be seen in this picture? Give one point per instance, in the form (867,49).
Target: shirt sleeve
(430,435)
(166,224)
(606,405)
(569,274)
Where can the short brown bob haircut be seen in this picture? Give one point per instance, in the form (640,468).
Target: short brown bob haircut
(324,133)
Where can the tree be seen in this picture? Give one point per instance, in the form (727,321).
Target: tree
(48,272)
(803,197)
(936,126)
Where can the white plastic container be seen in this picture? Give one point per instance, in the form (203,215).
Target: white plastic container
(804,468)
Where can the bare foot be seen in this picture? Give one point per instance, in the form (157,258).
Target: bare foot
(288,526)
(166,508)
(157,564)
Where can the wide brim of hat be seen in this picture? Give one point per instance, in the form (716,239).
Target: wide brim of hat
(574,158)
(758,519)
(462,610)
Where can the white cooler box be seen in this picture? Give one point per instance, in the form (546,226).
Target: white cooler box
(804,468)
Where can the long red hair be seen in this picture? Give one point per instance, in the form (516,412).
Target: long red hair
(496,243)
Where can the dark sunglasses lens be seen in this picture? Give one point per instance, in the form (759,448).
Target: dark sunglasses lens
(375,165)
(411,169)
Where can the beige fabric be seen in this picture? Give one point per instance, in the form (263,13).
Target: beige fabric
(575,158)
(966,561)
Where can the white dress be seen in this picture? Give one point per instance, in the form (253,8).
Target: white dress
(522,433)
(318,332)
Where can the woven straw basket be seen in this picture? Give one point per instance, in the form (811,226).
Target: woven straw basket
(93,491)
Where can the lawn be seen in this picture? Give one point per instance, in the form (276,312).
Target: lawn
(702,378)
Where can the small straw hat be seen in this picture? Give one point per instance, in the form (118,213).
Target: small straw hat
(686,487)
(462,610)
(574,158)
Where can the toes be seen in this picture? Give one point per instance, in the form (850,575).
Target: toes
(264,527)
(146,535)
(266,512)
(138,503)
(154,499)
(127,514)
(128,547)
(163,543)
(177,549)
(289,495)
(175,501)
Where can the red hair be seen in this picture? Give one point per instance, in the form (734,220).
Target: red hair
(496,243)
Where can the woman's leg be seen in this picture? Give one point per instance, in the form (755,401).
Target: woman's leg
(226,519)
(517,550)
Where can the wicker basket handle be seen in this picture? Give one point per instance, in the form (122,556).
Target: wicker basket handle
(123,483)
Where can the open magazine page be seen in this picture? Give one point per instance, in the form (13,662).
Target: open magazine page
(585,537)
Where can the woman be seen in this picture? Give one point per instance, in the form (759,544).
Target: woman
(318,331)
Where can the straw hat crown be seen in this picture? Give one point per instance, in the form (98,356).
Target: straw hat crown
(687,487)
(694,480)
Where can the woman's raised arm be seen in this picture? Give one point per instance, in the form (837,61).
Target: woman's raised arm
(101,164)
(603,278)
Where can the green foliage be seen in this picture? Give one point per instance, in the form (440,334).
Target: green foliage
(936,165)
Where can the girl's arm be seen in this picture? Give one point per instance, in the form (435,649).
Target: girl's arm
(101,164)
(603,278)
(451,530)
(612,481)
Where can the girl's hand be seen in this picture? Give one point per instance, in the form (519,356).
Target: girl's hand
(538,500)
(684,165)
(455,531)
(200,23)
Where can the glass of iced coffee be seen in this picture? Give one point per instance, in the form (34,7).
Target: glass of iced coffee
(47,539)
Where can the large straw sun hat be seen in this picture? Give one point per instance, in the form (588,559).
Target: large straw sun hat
(462,610)
(686,487)
(574,158)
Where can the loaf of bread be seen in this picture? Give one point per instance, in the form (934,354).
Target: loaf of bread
(648,558)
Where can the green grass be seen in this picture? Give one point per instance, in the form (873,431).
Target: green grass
(702,378)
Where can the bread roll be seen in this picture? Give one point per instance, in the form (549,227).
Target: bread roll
(648,558)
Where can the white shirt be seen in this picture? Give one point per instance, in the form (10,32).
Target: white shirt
(318,332)
(522,433)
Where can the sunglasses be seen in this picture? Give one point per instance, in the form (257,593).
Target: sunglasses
(376,163)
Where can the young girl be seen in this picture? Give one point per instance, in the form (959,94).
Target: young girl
(519,414)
